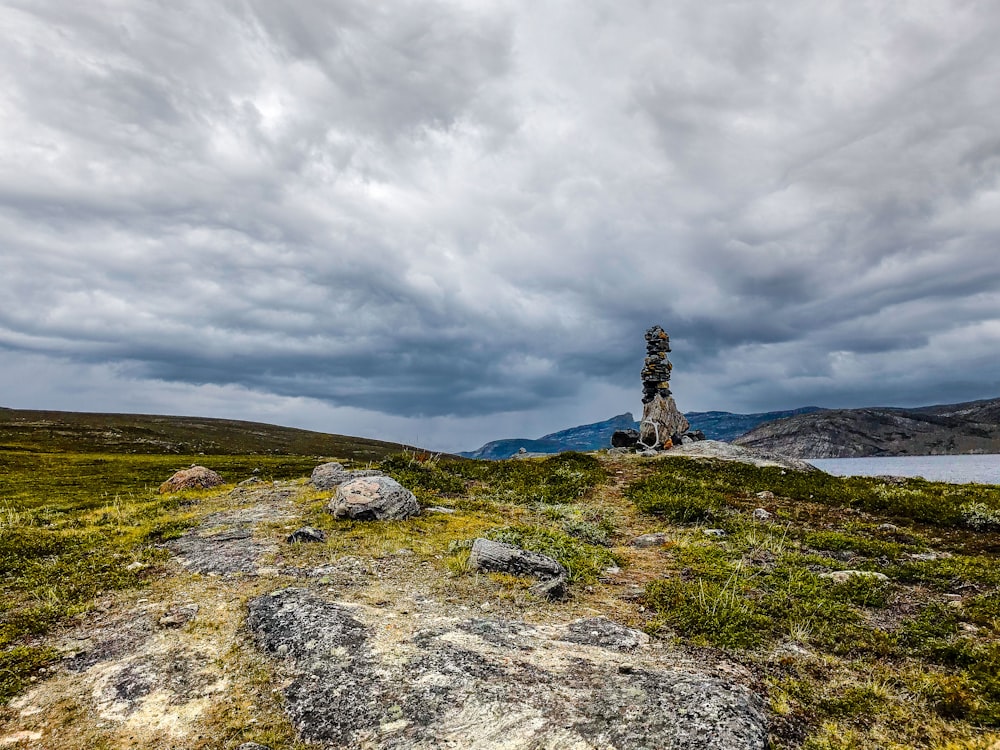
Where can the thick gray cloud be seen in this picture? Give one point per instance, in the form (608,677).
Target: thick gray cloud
(456,218)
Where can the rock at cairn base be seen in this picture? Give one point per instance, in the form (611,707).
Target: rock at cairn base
(624,438)
(669,421)
(194,478)
(374,499)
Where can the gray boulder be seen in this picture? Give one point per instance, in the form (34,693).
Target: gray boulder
(330,475)
(374,498)
(499,557)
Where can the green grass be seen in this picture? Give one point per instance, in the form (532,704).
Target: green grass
(686,489)
(884,655)
(72,525)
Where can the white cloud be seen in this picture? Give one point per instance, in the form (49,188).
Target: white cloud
(448,213)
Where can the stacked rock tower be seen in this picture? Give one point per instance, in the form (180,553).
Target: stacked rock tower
(656,370)
(662,423)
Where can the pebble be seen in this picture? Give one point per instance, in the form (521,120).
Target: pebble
(759,514)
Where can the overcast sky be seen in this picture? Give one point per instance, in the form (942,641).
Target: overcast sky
(448,222)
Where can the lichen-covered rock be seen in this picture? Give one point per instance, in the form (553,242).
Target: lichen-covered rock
(330,475)
(353,679)
(193,478)
(375,498)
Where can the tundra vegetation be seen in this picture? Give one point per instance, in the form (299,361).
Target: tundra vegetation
(909,661)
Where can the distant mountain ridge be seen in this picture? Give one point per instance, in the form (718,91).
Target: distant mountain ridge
(945,429)
(58,431)
(717,425)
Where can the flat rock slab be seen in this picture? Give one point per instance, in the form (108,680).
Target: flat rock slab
(730,452)
(354,679)
(224,542)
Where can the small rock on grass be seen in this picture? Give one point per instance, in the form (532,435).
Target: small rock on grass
(715,533)
(178,615)
(650,540)
(765,495)
(759,514)
(252,746)
(306,534)
(843,576)
(193,478)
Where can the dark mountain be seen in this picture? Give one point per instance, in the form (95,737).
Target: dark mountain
(726,426)
(588,437)
(972,427)
(50,431)
(717,425)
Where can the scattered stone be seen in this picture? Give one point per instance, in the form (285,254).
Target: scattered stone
(892,479)
(759,514)
(624,438)
(650,540)
(889,527)
(440,509)
(843,576)
(193,478)
(717,533)
(330,475)
(619,451)
(252,746)
(765,495)
(374,498)
(250,482)
(306,534)
(649,453)
(349,679)
(929,556)
(178,615)
(499,557)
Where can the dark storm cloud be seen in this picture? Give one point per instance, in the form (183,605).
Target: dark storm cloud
(458,209)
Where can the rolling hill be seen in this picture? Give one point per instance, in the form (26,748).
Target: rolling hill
(81,432)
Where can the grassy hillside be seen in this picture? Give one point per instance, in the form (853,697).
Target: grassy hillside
(907,662)
(57,431)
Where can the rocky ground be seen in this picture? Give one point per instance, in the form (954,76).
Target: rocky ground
(685,623)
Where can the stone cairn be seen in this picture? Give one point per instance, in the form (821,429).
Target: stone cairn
(662,426)
(656,371)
